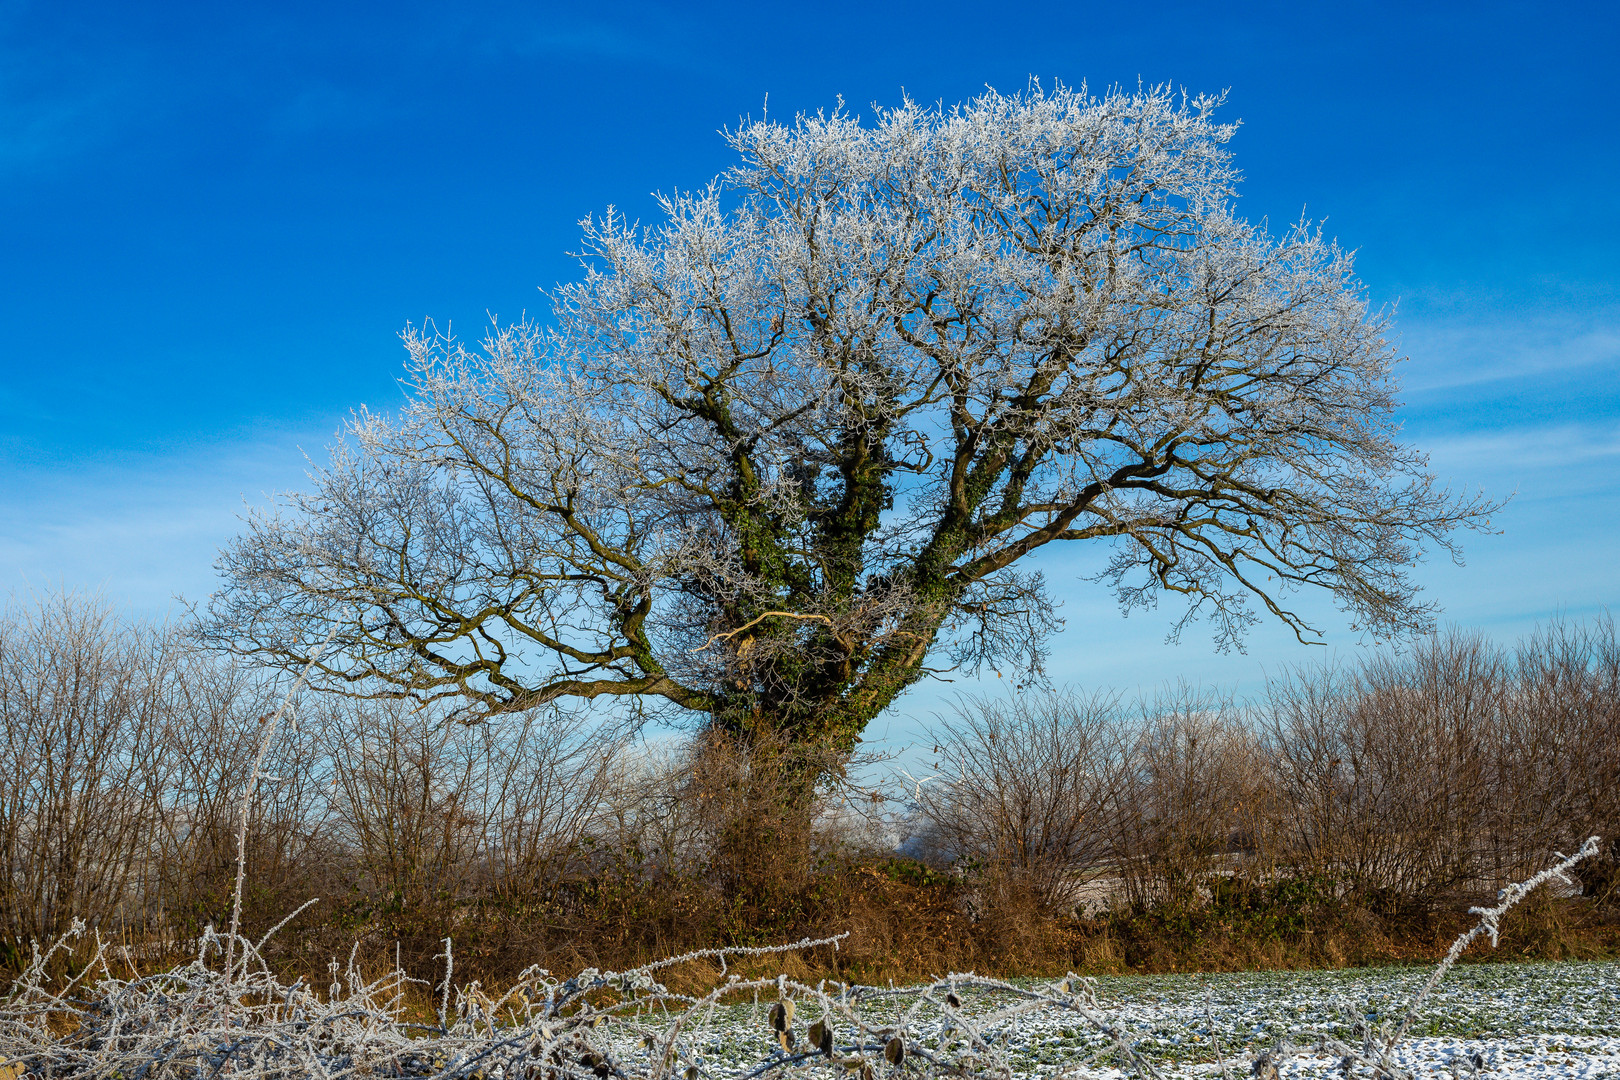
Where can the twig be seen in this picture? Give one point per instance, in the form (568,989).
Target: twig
(1489,919)
(729,634)
(272,723)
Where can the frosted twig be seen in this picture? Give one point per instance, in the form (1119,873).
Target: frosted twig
(271,724)
(1489,923)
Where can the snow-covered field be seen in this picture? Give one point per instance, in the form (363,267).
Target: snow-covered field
(1521,1020)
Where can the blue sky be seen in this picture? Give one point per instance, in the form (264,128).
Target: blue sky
(216,218)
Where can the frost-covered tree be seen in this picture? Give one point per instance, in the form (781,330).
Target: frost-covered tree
(776,458)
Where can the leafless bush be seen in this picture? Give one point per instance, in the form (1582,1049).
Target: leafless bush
(215,719)
(1064,794)
(548,791)
(434,820)
(405,806)
(1025,790)
(126,758)
(1558,775)
(1194,799)
(648,812)
(1413,778)
(1383,770)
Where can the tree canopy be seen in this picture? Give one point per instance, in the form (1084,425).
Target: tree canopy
(779,455)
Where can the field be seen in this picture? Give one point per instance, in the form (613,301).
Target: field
(1491,1019)
(1523,1020)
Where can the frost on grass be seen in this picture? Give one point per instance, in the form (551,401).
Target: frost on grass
(226,1014)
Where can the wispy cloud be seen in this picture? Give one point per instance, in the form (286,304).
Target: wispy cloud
(1447,354)
(1560,446)
(144,530)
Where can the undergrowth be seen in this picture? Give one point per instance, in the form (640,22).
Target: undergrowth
(226,1011)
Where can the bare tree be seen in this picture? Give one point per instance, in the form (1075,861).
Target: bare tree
(780,453)
(82,699)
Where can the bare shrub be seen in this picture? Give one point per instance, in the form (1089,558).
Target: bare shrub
(404,802)
(216,710)
(1442,771)
(546,789)
(1424,728)
(436,827)
(125,754)
(1025,790)
(1558,771)
(1193,799)
(1387,769)
(1400,784)
(649,815)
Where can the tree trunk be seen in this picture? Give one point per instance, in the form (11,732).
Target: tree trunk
(757,793)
